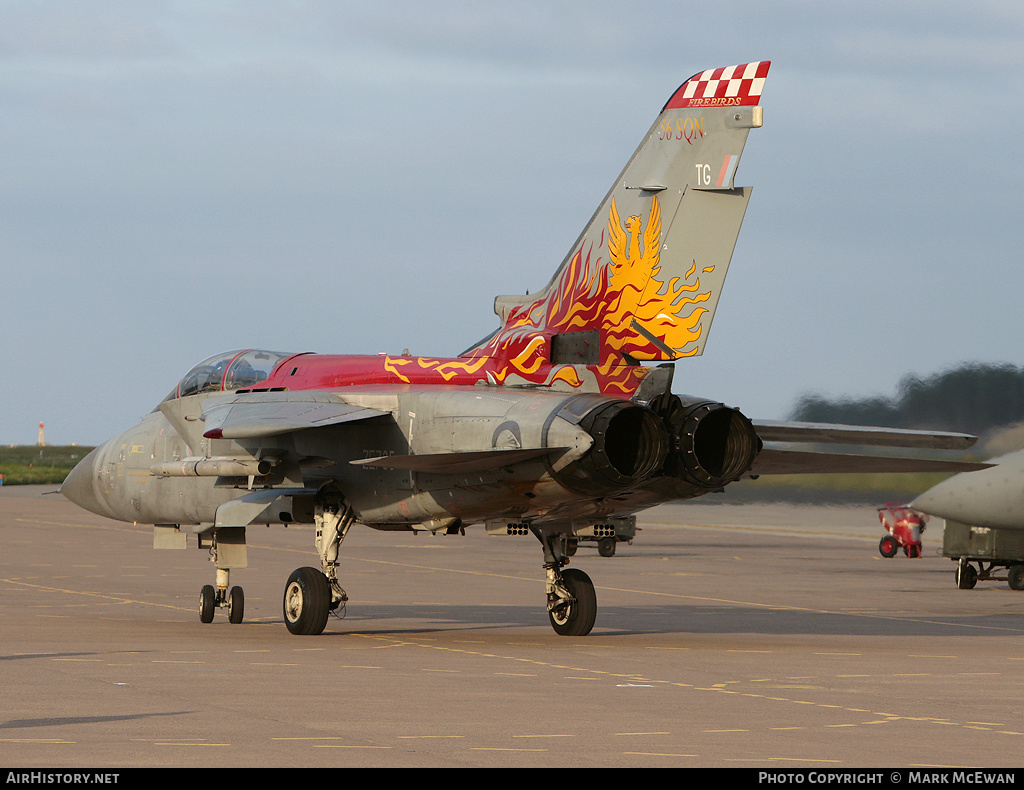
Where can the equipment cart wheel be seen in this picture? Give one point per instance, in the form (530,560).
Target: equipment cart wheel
(888,546)
(966,576)
(606,547)
(1015,578)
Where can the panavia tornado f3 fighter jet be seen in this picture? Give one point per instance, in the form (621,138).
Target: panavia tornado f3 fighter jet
(556,425)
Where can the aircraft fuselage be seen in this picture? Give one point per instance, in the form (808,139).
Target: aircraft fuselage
(429,456)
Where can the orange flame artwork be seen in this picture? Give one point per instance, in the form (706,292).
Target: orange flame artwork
(637,316)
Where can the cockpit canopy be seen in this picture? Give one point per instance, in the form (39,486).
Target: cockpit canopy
(230,371)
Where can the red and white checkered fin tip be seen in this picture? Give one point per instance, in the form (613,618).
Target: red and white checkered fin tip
(731,86)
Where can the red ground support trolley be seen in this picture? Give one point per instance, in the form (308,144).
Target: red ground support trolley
(903,527)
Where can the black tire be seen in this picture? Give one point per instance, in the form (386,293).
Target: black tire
(606,547)
(207,603)
(966,576)
(236,605)
(578,617)
(888,546)
(571,544)
(1015,578)
(307,602)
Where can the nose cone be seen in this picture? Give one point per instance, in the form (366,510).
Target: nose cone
(80,486)
(991,497)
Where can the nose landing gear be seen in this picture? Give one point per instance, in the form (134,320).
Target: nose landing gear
(219,597)
(227,551)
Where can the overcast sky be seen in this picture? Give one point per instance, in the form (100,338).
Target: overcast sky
(183,178)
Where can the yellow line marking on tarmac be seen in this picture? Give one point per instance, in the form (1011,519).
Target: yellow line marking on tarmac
(307,738)
(503,749)
(46,741)
(113,598)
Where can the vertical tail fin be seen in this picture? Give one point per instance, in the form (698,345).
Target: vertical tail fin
(643,279)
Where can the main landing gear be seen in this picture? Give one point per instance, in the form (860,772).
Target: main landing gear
(572,600)
(310,595)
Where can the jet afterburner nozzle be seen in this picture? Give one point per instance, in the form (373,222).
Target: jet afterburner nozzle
(630,444)
(715,444)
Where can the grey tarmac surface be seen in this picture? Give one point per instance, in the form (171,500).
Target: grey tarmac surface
(755,636)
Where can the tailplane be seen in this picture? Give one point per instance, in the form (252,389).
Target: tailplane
(643,279)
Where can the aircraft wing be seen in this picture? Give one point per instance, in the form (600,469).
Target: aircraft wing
(825,433)
(255,415)
(776,460)
(795,462)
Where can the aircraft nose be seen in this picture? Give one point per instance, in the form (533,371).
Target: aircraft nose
(80,484)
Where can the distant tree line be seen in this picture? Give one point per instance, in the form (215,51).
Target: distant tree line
(973,398)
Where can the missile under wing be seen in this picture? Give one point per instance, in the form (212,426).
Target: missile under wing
(560,424)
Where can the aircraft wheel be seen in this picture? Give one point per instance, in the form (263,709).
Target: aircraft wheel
(236,605)
(1015,578)
(966,576)
(888,546)
(577,618)
(606,547)
(207,602)
(307,602)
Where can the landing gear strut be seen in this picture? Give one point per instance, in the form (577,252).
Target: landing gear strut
(310,595)
(572,600)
